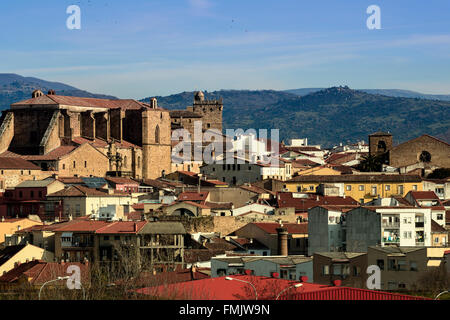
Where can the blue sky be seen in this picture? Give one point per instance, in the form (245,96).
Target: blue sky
(140,48)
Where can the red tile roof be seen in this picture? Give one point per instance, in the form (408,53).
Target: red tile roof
(17,163)
(124,104)
(193,196)
(38,272)
(292,228)
(436,227)
(119,227)
(286,200)
(424,195)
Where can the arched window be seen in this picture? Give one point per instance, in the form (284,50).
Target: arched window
(382,146)
(425,156)
(157,138)
(125,162)
(139,162)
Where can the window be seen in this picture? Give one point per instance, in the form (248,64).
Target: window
(361,188)
(414,187)
(40,194)
(391,265)
(64,166)
(439,216)
(387,188)
(31,194)
(311,188)
(337,269)
(380,264)
(400,190)
(374,190)
(325,270)
(413,265)
(74,164)
(356,270)
(157,133)
(116,237)
(106,238)
(425,156)
(348,187)
(85,164)
(299,189)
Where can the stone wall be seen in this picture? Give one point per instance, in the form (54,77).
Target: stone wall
(156,143)
(6,131)
(409,152)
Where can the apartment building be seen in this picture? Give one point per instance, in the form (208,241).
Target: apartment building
(361,187)
(402,267)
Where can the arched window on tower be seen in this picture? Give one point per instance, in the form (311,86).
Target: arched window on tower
(125,162)
(382,146)
(139,162)
(157,135)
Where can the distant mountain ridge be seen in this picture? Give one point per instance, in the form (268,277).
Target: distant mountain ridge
(328,116)
(399,93)
(14,88)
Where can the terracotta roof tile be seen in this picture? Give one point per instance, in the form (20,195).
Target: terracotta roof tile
(292,228)
(17,163)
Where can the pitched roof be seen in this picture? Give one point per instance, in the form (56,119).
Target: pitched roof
(424,195)
(126,227)
(436,227)
(38,272)
(35,183)
(292,228)
(82,191)
(16,163)
(219,205)
(122,180)
(288,200)
(193,196)
(8,252)
(340,255)
(124,104)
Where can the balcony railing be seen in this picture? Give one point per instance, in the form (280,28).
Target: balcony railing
(387,240)
(391,225)
(75,244)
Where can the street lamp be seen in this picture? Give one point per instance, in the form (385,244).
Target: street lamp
(297,285)
(61,279)
(256,293)
(446,291)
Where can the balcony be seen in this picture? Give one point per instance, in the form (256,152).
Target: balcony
(395,225)
(76,244)
(420,224)
(391,240)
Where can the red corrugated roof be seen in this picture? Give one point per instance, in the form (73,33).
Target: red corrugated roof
(266,288)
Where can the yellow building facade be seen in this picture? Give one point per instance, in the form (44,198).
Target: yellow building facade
(362,188)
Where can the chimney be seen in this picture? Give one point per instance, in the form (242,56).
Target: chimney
(51,92)
(282,241)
